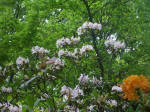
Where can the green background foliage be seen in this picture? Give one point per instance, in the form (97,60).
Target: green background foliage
(27,23)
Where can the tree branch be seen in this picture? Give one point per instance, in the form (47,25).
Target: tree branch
(99,58)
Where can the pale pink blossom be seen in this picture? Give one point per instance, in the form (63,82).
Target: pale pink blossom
(37,49)
(83,79)
(117,88)
(86,48)
(21,61)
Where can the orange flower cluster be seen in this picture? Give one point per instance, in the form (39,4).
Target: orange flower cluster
(132,83)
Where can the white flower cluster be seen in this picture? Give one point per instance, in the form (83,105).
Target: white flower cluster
(62,53)
(112,102)
(85,49)
(50,60)
(15,108)
(63,41)
(95,81)
(58,63)
(37,49)
(117,88)
(65,90)
(91,107)
(76,51)
(6,90)
(66,41)
(68,53)
(116,44)
(83,79)
(10,107)
(76,92)
(22,61)
(88,25)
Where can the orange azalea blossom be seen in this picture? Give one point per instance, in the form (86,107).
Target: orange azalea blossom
(132,83)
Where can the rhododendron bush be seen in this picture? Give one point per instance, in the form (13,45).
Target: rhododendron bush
(39,83)
(73,56)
